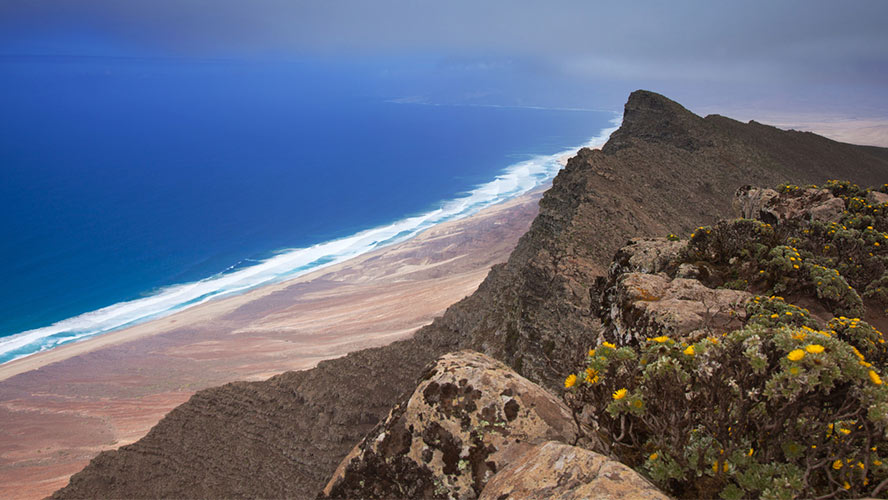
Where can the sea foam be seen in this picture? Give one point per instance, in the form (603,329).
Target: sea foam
(514,181)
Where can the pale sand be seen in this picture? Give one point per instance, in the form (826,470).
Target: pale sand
(60,408)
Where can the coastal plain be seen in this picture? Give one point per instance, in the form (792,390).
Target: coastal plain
(62,407)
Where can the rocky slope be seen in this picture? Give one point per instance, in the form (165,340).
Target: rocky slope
(747,361)
(665,170)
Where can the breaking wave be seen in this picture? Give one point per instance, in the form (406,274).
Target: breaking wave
(514,181)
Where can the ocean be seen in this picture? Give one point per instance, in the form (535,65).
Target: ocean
(133,188)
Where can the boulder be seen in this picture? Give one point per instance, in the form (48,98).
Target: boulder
(649,305)
(646,255)
(469,417)
(769,206)
(558,471)
(749,201)
(876,198)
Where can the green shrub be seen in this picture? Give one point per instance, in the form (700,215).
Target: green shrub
(776,412)
(785,407)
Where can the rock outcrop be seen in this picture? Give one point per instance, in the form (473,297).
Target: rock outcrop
(469,417)
(649,292)
(771,207)
(558,471)
(665,170)
(648,305)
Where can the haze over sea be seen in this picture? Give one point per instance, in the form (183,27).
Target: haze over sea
(132,188)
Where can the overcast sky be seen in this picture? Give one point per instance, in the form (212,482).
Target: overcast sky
(796,52)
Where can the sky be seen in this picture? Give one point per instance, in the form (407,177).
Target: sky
(795,56)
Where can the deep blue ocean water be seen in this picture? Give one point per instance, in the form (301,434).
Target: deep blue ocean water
(120,178)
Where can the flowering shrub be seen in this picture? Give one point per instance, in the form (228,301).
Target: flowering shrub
(832,288)
(771,411)
(791,405)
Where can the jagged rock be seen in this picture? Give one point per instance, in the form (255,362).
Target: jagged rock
(468,418)
(749,201)
(771,207)
(876,198)
(689,271)
(558,471)
(646,255)
(640,305)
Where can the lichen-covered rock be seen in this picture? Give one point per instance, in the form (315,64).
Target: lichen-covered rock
(562,472)
(469,417)
(646,255)
(646,305)
(771,207)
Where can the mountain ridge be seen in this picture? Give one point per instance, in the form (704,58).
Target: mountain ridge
(664,170)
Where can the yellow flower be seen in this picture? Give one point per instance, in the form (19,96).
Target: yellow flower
(846,485)
(608,344)
(796,355)
(814,348)
(794,370)
(637,403)
(620,394)
(653,456)
(837,465)
(775,316)
(661,339)
(844,431)
(789,313)
(570,381)
(795,266)
(689,351)
(591,352)
(751,451)
(877,462)
(591,376)
(875,377)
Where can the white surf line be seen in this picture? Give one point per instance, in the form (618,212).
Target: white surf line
(514,181)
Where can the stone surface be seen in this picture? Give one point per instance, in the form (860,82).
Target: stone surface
(468,418)
(876,198)
(558,471)
(749,201)
(647,305)
(647,255)
(771,207)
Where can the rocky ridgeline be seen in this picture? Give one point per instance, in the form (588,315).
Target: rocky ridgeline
(665,170)
(473,428)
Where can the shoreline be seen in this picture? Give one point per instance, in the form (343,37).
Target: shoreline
(214,308)
(60,408)
(287,265)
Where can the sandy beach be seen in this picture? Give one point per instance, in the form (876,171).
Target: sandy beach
(60,408)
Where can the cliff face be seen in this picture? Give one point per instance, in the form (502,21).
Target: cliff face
(665,170)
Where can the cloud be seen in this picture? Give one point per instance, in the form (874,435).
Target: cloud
(786,43)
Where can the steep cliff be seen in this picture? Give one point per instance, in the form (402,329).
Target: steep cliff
(665,170)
